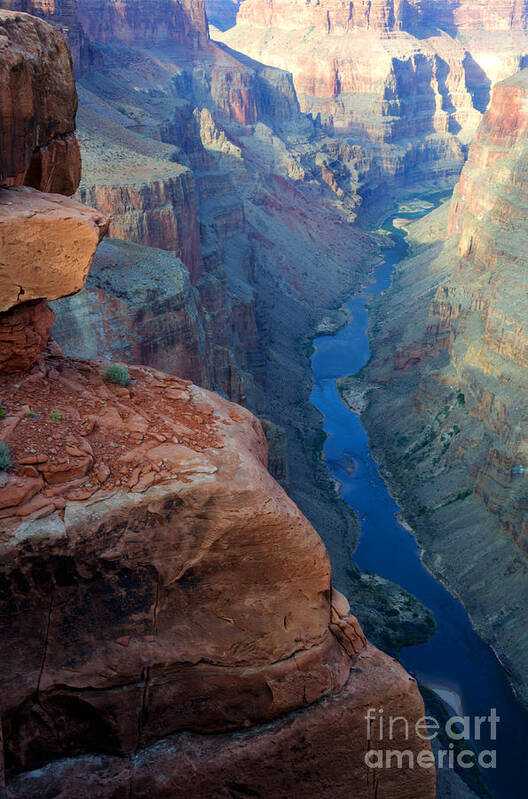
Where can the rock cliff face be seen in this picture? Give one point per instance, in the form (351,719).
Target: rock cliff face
(456,406)
(178,22)
(410,78)
(63,15)
(168,620)
(156,318)
(158,212)
(37,144)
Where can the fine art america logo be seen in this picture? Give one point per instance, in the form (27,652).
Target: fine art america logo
(455,737)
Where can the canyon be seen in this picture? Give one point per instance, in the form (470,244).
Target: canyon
(407,80)
(184,628)
(229,201)
(446,384)
(168,619)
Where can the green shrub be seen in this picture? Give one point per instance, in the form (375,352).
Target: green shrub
(55,416)
(118,375)
(2,412)
(5,457)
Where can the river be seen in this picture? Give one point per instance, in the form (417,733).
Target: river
(455,662)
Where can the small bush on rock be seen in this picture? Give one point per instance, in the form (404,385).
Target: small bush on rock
(5,457)
(55,416)
(118,375)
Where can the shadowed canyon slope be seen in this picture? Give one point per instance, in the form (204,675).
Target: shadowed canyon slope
(447,410)
(168,622)
(408,80)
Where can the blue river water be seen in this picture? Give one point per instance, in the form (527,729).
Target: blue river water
(455,662)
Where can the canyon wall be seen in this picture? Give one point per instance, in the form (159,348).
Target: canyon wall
(408,80)
(168,621)
(63,15)
(181,22)
(46,156)
(156,318)
(449,378)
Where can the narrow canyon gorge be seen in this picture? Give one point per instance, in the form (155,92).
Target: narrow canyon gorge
(203,206)
(449,371)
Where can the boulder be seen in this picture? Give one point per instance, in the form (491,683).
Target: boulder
(47,243)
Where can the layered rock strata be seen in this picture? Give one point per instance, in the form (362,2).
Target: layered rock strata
(411,79)
(156,22)
(63,15)
(454,351)
(156,581)
(37,145)
(157,318)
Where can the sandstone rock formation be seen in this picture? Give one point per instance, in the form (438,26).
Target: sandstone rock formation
(411,79)
(165,456)
(47,244)
(47,241)
(160,595)
(37,116)
(63,15)
(24,333)
(246,763)
(454,349)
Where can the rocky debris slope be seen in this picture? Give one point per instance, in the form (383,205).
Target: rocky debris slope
(450,369)
(409,80)
(167,612)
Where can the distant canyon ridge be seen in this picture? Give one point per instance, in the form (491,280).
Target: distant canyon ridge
(407,80)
